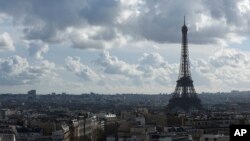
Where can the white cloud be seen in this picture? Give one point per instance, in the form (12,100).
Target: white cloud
(112,65)
(6,42)
(244,6)
(229,57)
(153,59)
(227,69)
(16,70)
(155,68)
(74,65)
(150,69)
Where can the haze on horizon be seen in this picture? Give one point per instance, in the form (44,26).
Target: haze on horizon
(122,46)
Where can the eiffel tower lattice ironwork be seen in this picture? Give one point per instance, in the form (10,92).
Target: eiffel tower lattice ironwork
(184,97)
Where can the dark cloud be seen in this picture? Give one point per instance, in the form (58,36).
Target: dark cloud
(6,42)
(93,38)
(209,21)
(47,20)
(227,9)
(37,49)
(101,12)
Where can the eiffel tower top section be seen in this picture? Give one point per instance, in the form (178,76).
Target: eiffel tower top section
(184,66)
(184,87)
(184,27)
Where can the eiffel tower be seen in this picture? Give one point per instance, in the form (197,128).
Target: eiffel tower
(184,97)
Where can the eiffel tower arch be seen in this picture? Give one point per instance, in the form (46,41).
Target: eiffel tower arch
(184,97)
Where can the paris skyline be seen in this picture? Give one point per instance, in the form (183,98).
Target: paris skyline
(122,46)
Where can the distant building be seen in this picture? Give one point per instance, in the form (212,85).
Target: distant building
(63,134)
(7,134)
(110,117)
(82,128)
(5,113)
(215,138)
(31,95)
(24,133)
(32,92)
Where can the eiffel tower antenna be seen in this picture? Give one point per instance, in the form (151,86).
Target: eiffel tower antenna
(184,20)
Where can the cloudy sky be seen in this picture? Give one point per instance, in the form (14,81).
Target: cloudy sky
(122,46)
